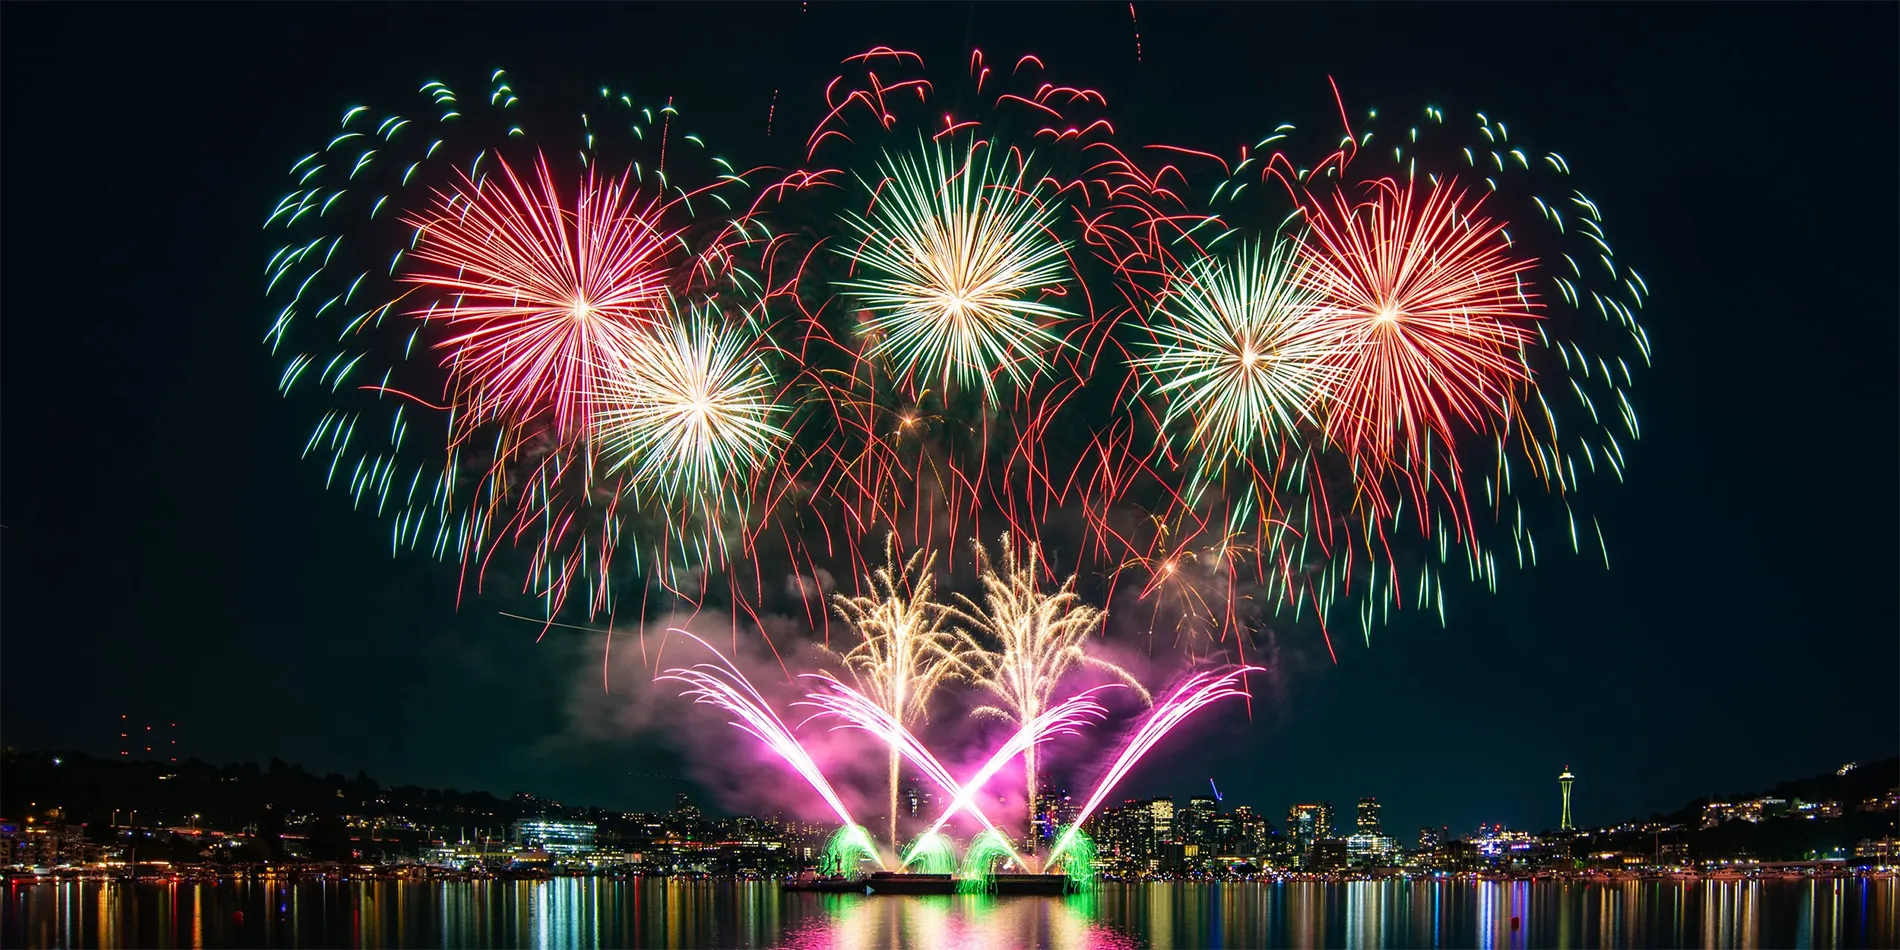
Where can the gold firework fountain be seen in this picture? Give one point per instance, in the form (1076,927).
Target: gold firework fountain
(905,649)
(1038,636)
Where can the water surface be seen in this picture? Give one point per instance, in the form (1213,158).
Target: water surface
(662,913)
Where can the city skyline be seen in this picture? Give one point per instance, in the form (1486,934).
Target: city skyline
(1299,823)
(284,813)
(216,585)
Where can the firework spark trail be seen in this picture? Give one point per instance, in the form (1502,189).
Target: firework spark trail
(1243,351)
(967,458)
(1136,24)
(454,317)
(1200,690)
(721,684)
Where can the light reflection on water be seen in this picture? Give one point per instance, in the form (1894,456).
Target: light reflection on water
(1166,916)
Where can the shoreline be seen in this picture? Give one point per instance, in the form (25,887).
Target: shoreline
(421,873)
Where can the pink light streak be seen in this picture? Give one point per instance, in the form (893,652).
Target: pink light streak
(859,712)
(721,684)
(1200,690)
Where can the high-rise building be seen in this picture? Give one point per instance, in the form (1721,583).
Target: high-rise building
(1565,779)
(1368,816)
(1123,837)
(1427,839)
(1054,809)
(1309,824)
(1161,819)
(1196,821)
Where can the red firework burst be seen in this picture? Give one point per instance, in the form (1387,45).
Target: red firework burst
(538,294)
(1427,311)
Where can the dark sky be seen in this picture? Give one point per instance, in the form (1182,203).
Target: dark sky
(166,555)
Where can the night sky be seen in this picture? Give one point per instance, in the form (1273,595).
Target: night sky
(167,556)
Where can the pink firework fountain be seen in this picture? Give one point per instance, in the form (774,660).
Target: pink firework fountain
(721,684)
(860,712)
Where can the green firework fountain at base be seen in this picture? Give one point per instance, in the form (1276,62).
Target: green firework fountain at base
(849,846)
(987,852)
(1078,857)
(931,853)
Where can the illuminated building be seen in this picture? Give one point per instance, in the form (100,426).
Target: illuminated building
(1372,850)
(1054,810)
(1308,825)
(1124,837)
(1565,779)
(1329,854)
(1368,823)
(555,837)
(1883,851)
(1752,811)
(1252,832)
(1196,824)
(1427,839)
(1161,819)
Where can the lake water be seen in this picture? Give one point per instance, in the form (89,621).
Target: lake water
(660,913)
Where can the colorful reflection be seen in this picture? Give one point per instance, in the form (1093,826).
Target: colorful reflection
(598,912)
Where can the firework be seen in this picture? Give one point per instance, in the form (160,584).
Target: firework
(904,650)
(1038,638)
(947,319)
(1451,335)
(860,712)
(1242,351)
(846,847)
(1426,311)
(954,259)
(688,408)
(458,291)
(987,853)
(541,297)
(931,853)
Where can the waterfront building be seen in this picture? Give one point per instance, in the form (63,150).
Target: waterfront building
(1225,837)
(1329,854)
(1371,850)
(1427,839)
(1123,838)
(555,837)
(1879,851)
(1251,832)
